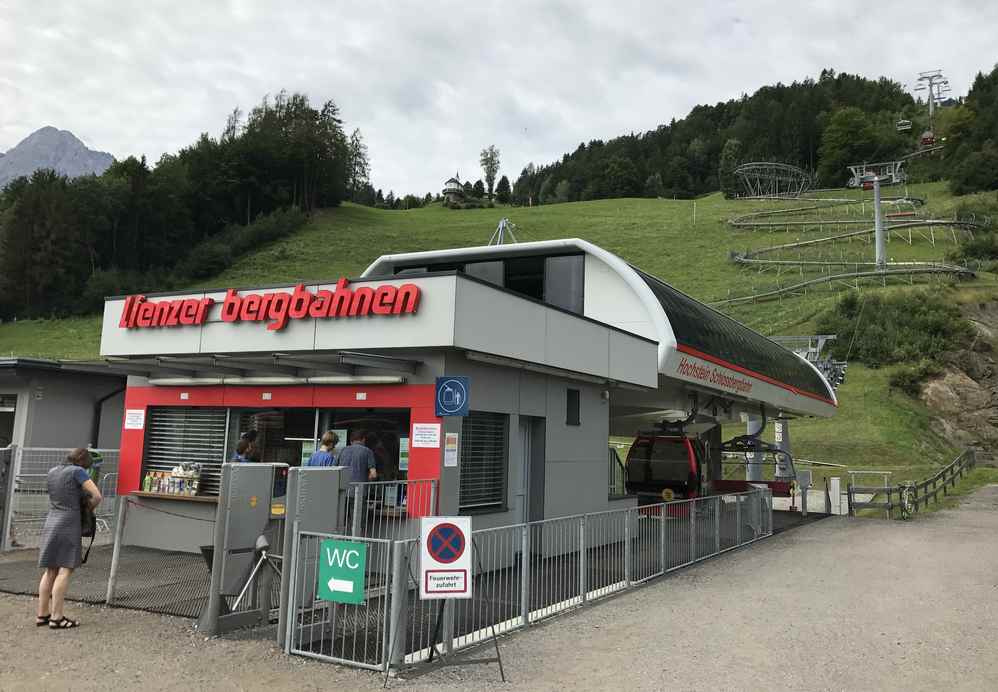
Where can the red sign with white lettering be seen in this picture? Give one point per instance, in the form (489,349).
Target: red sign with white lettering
(275,308)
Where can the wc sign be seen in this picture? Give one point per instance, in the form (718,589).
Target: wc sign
(452,396)
(341,571)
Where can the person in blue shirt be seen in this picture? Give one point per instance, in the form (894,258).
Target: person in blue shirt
(244,452)
(324,457)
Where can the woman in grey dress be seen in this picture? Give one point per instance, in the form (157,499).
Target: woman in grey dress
(61,538)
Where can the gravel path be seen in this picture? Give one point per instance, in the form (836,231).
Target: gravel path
(839,604)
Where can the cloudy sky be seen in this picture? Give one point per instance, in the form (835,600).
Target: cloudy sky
(430,84)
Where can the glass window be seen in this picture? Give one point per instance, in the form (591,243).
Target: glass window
(572,407)
(564,282)
(525,275)
(484,439)
(179,434)
(486,271)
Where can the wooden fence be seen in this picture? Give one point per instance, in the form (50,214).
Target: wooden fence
(906,499)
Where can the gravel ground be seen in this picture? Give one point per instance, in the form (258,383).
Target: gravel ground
(838,604)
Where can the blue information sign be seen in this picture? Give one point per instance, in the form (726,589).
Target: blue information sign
(452,396)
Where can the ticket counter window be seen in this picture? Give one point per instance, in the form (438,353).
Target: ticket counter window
(386,434)
(283,436)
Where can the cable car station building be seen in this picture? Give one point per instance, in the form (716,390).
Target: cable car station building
(563,343)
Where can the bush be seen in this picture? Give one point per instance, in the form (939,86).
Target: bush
(982,248)
(217,253)
(909,378)
(907,327)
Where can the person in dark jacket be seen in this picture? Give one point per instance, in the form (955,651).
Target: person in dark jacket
(61,546)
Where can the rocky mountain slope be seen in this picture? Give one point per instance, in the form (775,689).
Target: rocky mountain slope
(48,147)
(964,397)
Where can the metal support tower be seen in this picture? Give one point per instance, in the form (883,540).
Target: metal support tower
(503,233)
(936,85)
(878,215)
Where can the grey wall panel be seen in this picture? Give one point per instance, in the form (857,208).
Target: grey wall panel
(575,344)
(499,323)
(149,526)
(533,394)
(61,408)
(632,360)
(112,418)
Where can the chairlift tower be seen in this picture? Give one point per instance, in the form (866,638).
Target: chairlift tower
(503,233)
(872,182)
(937,86)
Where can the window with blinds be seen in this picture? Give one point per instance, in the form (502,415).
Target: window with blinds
(484,443)
(177,434)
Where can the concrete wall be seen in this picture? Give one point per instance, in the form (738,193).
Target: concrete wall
(575,472)
(56,409)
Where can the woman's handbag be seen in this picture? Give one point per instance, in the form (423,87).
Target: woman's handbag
(88,522)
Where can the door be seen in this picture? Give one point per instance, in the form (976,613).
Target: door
(532,431)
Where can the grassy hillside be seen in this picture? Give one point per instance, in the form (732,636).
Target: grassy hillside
(874,428)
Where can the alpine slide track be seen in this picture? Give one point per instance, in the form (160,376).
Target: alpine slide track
(826,255)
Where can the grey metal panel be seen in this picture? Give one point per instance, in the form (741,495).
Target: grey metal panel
(246,501)
(632,360)
(177,525)
(578,345)
(499,323)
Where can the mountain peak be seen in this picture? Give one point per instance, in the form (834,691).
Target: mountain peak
(50,147)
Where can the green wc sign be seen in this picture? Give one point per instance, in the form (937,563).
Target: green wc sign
(341,571)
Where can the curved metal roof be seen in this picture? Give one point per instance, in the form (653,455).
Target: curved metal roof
(681,325)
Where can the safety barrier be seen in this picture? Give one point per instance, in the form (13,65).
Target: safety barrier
(7,455)
(384,509)
(28,507)
(909,497)
(523,573)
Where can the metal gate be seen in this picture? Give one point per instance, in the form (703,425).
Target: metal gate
(355,634)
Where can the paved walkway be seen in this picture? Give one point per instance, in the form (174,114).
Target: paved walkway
(837,604)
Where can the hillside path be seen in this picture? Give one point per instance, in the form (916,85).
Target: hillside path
(838,604)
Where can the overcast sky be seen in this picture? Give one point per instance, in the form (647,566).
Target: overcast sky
(430,84)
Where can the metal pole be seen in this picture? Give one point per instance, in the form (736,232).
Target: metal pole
(582,558)
(693,531)
(400,594)
(881,256)
(119,531)
(738,519)
(355,522)
(627,548)
(753,469)
(717,524)
(525,575)
(7,507)
(661,537)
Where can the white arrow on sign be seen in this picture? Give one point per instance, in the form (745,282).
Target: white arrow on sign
(341,585)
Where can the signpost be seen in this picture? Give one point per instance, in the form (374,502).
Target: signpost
(342,565)
(445,558)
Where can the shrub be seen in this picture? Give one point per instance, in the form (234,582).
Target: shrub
(909,378)
(906,327)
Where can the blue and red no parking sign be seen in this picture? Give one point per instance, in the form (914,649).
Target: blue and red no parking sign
(445,557)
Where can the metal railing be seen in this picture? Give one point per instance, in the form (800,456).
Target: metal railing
(7,460)
(523,573)
(910,497)
(390,509)
(29,503)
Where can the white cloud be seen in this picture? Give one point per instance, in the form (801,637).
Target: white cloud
(431,84)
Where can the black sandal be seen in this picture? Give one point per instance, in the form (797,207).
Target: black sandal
(63,623)
(42,620)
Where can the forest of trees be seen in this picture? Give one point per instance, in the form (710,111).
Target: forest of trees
(64,244)
(776,123)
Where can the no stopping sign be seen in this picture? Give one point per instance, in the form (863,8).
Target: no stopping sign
(445,557)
